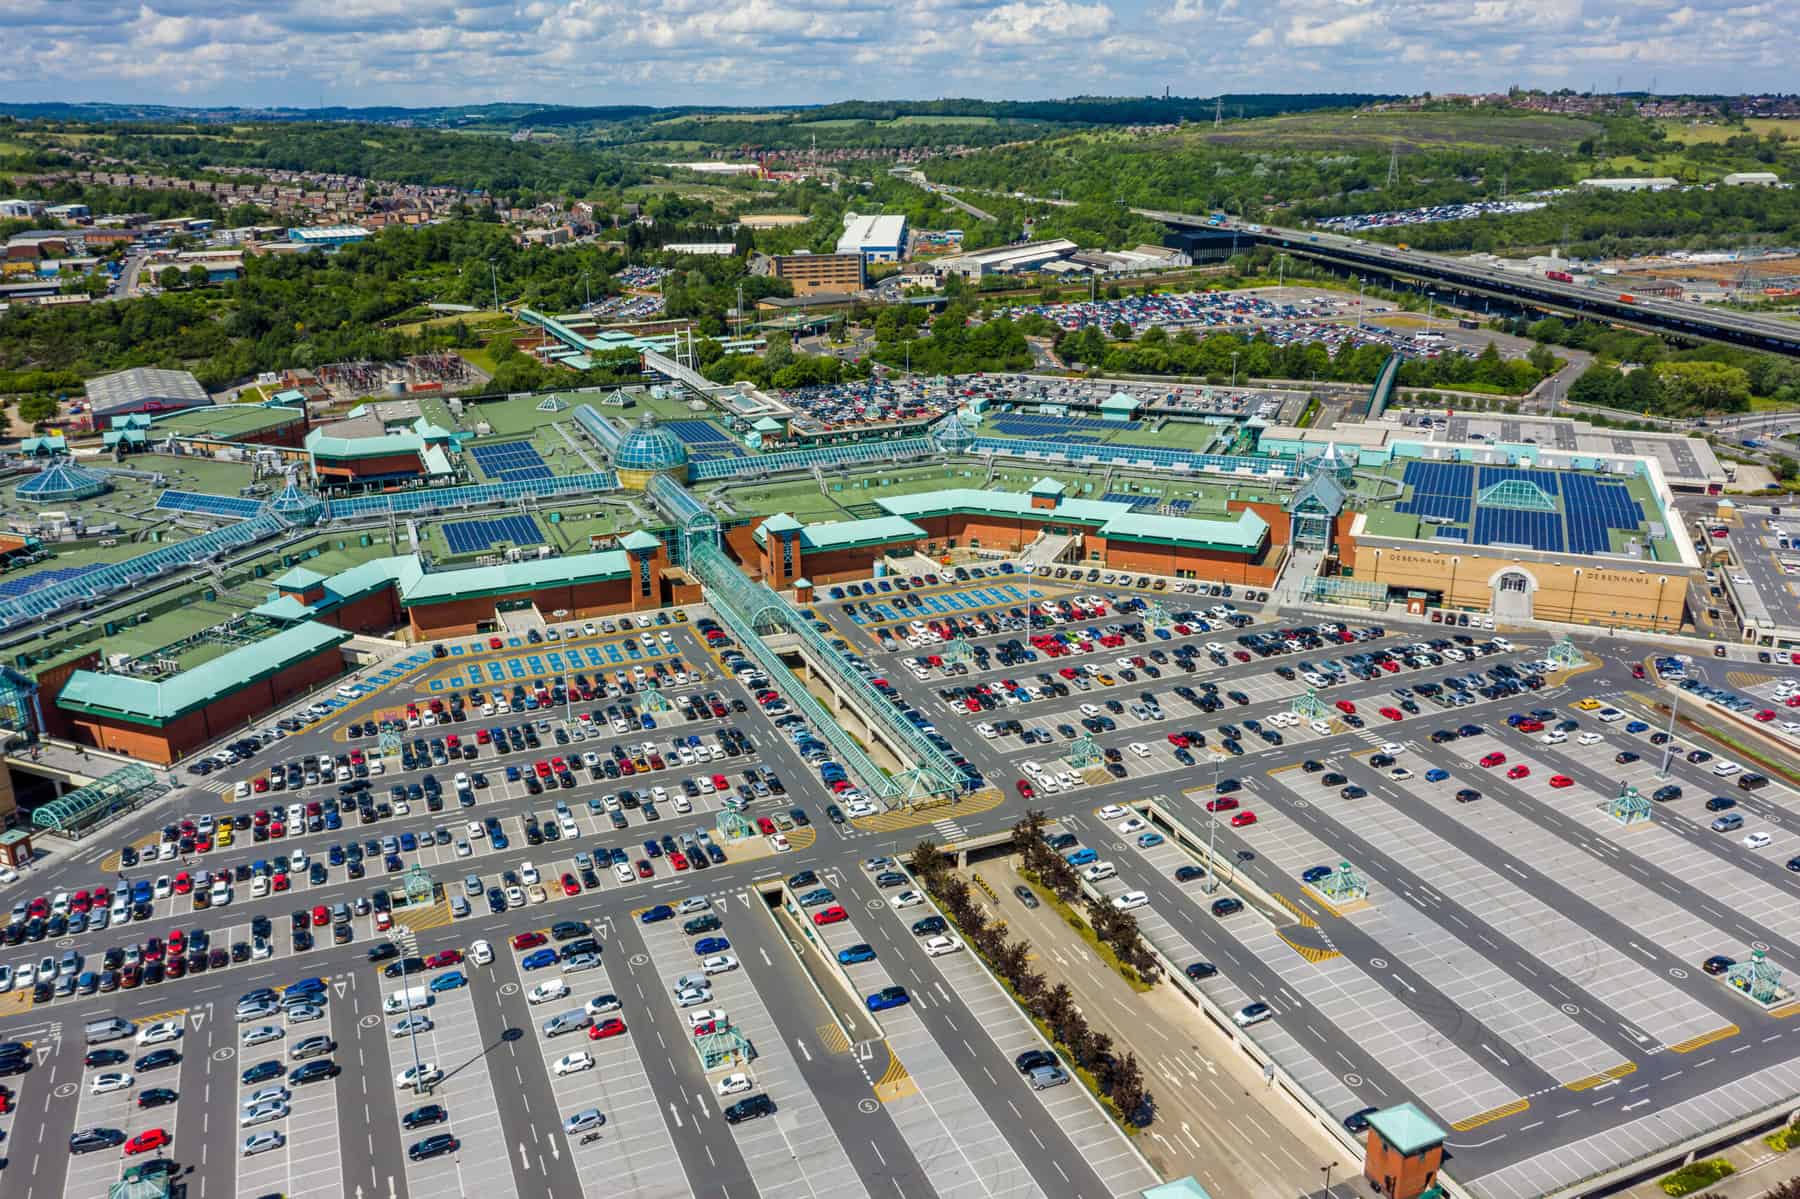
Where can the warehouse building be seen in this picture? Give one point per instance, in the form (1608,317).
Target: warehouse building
(875,238)
(163,720)
(144,389)
(1752,179)
(812,273)
(1007,260)
(1650,183)
(327,237)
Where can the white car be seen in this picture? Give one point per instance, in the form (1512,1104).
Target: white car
(1392,748)
(707,1015)
(693,996)
(734,1084)
(937,947)
(907,898)
(528,874)
(622,872)
(1140,749)
(113,1080)
(1588,739)
(25,977)
(1725,768)
(475,829)
(410,1025)
(242,790)
(1127,900)
(163,887)
(549,989)
(692,904)
(1757,840)
(599,1005)
(1131,825)
(481,953)
(719,963)
(862,807)
(987,730)
(1254,1013)
(572,1063)
(159,1032)
(1111,811)
(425,1073)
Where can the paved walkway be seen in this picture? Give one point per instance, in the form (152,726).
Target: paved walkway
(1216,1118)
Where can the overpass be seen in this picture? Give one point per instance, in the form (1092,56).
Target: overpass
(1678,319)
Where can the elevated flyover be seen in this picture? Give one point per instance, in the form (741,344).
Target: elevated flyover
(1673,317)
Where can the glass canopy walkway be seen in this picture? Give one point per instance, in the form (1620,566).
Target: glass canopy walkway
(827,456)
(439,498)
(697,525)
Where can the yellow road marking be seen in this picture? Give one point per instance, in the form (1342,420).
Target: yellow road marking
(888,822)
(833,1039)
(1705,1039)
(1300,914)
(1492,1114)
(895,1082)
(1311,953)
(1594,1080)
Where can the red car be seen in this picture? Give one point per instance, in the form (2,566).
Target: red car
(144,1142)
(1226,804)
(1026,790)
(1241,819)
(530,940)
(1531,726)
(495,643)
(706,1028)
(443,957)
(644,869)
(569,885)
(177,941)
(1766,715)
(678,860)
(1178,740)
(80,902)
(1519,771)
(1493,760)
(279,882)
(1559,781)
(611,1027)
(1637,672)
(1346,707)
(830,915)
(183,884)
(1391,713)
(720,784)
(321,916)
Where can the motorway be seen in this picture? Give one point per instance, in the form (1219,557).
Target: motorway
(1453,916)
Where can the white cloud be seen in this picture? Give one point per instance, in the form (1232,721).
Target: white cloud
(1025,22)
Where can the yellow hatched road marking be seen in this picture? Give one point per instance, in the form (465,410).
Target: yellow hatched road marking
(1593,1080)
(1492,1114)
(1705,1039)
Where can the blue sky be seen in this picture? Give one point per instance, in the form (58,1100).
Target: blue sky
(408,52)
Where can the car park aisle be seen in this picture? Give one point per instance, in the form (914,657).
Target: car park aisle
(794,1152)
(636,1154)
(953,1134)
(304,1158)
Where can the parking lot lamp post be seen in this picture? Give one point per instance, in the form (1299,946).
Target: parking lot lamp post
(412,1026)
(1234,358)
(1212,832)
(1669,745)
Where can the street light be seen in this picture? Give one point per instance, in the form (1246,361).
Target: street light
(1234,358)
(1669,744)
(1212,829)
(412,1027)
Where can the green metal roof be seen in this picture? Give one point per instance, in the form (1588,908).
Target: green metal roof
(300,578)
(1120,401)
(781,522)
(637,539)
(768,424)
(1047,486)
(849,534)
(1242,533)
(320,445)
(365,578)
(512,577)
(1406,1128)
(1180,1188)
(144,701)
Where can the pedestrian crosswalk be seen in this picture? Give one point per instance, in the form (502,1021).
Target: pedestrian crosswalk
(947,831)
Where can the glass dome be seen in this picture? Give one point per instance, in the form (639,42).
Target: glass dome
(295,506)
(649,447)
(60,482)
(950,434)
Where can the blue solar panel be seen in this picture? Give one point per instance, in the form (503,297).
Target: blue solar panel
(230,507)
(473,536)
(1546,479)
(26,584)
(1594,508)
(470,497)
(1508,526)
(1017,425)
(1447,533)
(1125,497)
(1440,489)
(512,462)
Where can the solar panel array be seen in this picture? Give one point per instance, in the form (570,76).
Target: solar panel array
(1447,533)
(26,584)
(227,507)
(474,536)
(1125,497)
(703,439)
(1549,480)
(1017,425)
(442,498)
(823,456)
(1067,450)
(513,462)
(1440,489)
(1594,508)
(1509,526)
(69,594)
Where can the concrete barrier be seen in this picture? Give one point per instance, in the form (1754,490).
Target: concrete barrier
(811,942)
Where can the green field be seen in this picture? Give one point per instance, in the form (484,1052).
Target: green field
(1350,131)
(1680,131)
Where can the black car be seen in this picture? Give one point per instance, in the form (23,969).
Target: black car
(424,1117)
(156,1059)
(87,1140)
(1357,1123)
(105,1057)
(1718,964)
(1035,1059)
(259,1073)
(1187,874)
(1467,795)
(564,930)
(1227,906)
(433,1146)
(405,966)
(156,1097)
(316,1070)
(930,926)
(1200,970)
(749,1108)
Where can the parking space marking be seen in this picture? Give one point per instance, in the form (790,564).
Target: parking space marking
(309,1159)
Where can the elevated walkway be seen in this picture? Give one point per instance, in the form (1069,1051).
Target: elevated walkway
(1048,548)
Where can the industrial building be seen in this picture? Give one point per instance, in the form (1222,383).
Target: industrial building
(875,238)
(1006,260)
(1651,183)
(327,237)
(361,452)
(144,389)
(811,273)
(1752,179)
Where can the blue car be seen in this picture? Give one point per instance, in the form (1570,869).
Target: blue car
(661,911)
(537,959)
(886,998)
(652,849)
(618,857)
(333,820)
(707,946)
(409,842)
(1313,874)
(1147,840)
(307,986)
(855,954)
(1436,774)
(1636,726)
(450,981)
(498,840)
(512,774)
(1081,857)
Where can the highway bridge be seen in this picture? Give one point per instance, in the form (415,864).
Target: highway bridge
(1674,317)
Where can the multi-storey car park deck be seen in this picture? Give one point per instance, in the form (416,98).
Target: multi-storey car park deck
(1438,985)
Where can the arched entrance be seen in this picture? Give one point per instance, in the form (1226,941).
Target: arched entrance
(1512,591)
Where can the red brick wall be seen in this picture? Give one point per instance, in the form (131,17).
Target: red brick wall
(50,684)
(459,618)
(377,613)
(740,543)
(832,566)
(363,468)
(1280,527)
(1205,564)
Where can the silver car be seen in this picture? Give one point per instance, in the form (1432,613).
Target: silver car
(262,1034)
(262,1142)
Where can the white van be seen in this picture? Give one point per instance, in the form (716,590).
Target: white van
(411,999)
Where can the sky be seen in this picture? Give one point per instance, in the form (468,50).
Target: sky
(305,53)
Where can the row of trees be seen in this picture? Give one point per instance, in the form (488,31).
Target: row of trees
(1679,382)
(1120,1079)
(1116,929)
